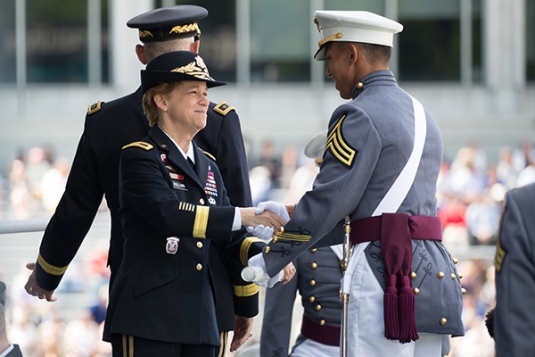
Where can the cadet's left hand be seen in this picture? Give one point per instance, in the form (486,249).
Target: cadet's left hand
(289,273)
(242,332)
(285,275)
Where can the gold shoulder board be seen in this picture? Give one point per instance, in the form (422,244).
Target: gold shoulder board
(209,155)
(223,108)
(138,144)
(95,107)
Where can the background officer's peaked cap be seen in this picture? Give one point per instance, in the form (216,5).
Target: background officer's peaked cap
(168,23)
(354,26)
(176,66)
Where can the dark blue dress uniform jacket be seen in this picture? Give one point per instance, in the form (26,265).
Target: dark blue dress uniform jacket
(514,317)
(94,173)
(158,293)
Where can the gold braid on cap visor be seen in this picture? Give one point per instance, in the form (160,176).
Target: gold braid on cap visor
(186,28)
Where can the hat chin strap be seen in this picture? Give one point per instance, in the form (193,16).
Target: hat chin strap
(336,36)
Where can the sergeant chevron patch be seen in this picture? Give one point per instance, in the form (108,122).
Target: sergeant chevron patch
(336,143)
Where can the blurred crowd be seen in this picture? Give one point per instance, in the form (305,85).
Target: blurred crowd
(34,184)
(471,190)
(69,327)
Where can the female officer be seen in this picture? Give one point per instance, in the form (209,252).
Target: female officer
(173,205)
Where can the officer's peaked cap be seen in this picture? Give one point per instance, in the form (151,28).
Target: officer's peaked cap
(168,23)
(174,67)
(354,26)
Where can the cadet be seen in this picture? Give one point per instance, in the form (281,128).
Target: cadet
(379,172)
(94,173)
(514,314)
(318,275)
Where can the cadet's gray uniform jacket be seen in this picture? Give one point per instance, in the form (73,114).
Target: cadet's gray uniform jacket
(514,319)
(369,142)
(317,278)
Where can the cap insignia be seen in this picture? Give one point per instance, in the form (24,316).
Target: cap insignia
(196,69)
(145,34)
(186,28)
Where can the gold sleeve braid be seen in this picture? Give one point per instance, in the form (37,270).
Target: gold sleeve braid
(201,222)
(245,290)
(282,236)
(244,249)
(49,268)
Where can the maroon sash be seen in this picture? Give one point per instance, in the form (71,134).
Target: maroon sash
(395,231)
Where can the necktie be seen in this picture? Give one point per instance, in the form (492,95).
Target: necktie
(191,164)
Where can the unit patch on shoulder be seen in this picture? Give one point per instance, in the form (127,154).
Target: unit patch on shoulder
(223,108)
(139,144)
(209,155)
(95,107)
(338,146)
(499,256)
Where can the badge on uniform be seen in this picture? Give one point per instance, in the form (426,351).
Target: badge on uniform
(172,245)
(163,157)
(210,188)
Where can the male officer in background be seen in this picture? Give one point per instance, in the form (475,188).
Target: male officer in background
(514,315)
(6,349)
(379,171)
(94,173)
(318,275)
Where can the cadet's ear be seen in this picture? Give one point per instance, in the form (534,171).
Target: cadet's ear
(140,52)
(352,53)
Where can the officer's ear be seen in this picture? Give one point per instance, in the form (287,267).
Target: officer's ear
(194,46)
(161,101)
(140,52)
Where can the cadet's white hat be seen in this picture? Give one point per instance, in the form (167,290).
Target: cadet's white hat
(354,26)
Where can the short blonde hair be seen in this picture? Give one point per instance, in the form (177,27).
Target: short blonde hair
(149,106)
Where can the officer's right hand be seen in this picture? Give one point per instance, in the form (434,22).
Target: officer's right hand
(250,218)
(33,289)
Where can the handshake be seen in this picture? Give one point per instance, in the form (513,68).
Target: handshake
(270,217)
(266,219)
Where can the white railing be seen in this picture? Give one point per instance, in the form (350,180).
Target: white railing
(23,225)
